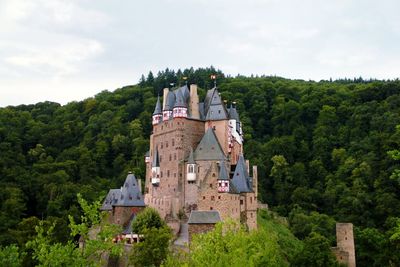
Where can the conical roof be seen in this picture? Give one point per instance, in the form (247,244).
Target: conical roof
(223,174)
(179,99)
(157,109)
(241,178)
(233,114)
(169,104)
(191,157)
(156,159)
(209,147)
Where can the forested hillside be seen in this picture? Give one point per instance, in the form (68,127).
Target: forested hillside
(321,148)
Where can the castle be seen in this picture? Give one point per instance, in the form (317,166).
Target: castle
(196,161)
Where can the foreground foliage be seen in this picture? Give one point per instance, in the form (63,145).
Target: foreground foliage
(321,149)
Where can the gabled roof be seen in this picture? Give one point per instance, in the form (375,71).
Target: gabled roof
(214,107)
(156,159)
(209,147)
(157,109)
(111,199)
(204,217)
(241,179)
(131,195)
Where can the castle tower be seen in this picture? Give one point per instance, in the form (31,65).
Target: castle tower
(195,146)
(345,251)
(157,114)
(155,169)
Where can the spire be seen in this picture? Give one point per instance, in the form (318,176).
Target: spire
(241,179)
(233,114)
(156,159)
(191,157)
(223,174)
(157,110)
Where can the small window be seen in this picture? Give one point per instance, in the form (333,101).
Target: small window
(173,142)
(204,197)
(212,198)
(219,111)
(166,144)
(241,202)
(213,175)
(170,157)
(167,173)
(214,127)
(210,185)
(211,208)
(219,197)
(161,174)
(191,168)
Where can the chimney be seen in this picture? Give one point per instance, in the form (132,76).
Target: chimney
(166,90)
(194,102)
(248,166)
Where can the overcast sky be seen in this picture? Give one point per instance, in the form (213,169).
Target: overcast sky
(70,50)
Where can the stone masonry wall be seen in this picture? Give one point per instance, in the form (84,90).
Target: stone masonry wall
(199,228)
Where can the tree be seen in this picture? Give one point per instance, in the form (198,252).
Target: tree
(153,248)
(230,245)
(10,256)
(316,252)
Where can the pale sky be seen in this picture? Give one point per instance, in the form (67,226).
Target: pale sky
(70,50)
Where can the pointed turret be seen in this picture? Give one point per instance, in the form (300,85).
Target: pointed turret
(157,114)
(241,179)
(223,178)
(234,124)
(169,105)
(155,169)
(191,167)
(180,106)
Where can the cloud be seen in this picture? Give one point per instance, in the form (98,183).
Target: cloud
(56,59)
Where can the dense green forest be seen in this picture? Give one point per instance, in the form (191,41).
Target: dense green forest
(322,148)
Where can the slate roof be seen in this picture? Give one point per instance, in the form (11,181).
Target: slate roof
(223,174)
(131,195)
(128,227)
(214,107)
(156,159)
(233,114)
(169,104)
(179,99)
(241,179)
(204,217)
(209,147)
(191,157)
(157,109)
(111,199)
